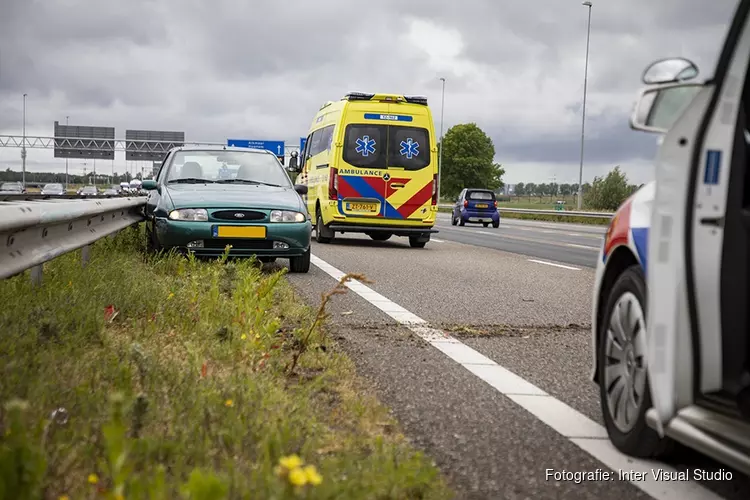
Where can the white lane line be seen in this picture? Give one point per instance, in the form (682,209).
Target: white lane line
(437,240)
(582,246)
(571,424)
(553,264)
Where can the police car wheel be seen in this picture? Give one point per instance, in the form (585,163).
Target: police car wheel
(623,380)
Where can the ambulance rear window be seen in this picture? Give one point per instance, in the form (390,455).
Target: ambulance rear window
(383,146)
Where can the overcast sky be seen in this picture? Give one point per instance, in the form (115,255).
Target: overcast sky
(261,69)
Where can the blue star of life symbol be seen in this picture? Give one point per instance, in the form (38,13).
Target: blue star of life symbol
(409,148)
(365,146)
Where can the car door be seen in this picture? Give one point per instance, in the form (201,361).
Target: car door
(697,246)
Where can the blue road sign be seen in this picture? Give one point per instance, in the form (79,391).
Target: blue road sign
(302,142)
(276,147)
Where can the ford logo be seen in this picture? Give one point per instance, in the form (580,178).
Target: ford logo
(239,215)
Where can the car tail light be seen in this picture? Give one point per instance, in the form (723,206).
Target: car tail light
(434,189)
(333,184)
(466,203)
(494,203)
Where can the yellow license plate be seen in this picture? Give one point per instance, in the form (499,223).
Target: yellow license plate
(240,232)
(482,205)
(362,207)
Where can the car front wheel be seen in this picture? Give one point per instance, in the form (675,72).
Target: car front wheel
(623,377)
(300,264)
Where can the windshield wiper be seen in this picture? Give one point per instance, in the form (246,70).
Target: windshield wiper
(246,181)
(190,180)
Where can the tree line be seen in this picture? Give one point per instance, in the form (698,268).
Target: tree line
(9,175)
(469,162)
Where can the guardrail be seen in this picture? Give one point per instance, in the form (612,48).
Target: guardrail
(39,230)
(565,213)
(40,196)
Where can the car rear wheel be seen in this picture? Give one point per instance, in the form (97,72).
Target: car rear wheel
(300,264)
(322,233)
(623,377)
(461,221)
(496,224)
(454,220)
(486,224)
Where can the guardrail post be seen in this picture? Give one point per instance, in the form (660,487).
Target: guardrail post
(36,274)
(85,255)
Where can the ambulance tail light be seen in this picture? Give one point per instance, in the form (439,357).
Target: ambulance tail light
(333,184)
(434,189)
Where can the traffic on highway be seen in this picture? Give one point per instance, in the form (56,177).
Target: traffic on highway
(347,320)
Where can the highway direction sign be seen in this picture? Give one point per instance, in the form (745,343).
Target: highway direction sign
(276,147)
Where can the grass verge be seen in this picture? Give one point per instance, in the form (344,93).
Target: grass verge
(164,377)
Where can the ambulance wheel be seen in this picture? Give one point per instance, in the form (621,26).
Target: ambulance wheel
(419,241)
(623,378)
(322,233)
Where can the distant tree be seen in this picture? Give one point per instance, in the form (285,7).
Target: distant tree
(609,192)
(565,189)
(531,189)
(520,189)
(469,160)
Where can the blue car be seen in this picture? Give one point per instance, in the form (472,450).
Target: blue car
(476,206)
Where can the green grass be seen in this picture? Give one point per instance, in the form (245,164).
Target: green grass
(176,378)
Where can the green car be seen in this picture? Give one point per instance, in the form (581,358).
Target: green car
(205,198)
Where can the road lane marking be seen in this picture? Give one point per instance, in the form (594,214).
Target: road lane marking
(437,240)
(574,245)
(588,435)
(554,264)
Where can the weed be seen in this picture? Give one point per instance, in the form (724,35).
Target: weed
(170,377)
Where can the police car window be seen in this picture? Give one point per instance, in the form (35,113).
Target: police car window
(364,145)
(408,147)
(481,195)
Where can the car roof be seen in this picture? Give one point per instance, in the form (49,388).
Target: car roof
(219,148)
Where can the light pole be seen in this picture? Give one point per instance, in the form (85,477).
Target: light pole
(583,117)
(66,161)
(440,151)
(23,146)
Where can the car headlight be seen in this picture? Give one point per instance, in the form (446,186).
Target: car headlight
(194,214)
(287,216)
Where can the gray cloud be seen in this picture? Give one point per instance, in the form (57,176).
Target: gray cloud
(261,70)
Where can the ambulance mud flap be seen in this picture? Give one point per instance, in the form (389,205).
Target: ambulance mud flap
(397,231)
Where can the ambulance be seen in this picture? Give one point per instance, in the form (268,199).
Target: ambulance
(370,164)
(671,316)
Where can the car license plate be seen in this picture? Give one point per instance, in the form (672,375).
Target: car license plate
(482,205)
(361,207)
(239,231)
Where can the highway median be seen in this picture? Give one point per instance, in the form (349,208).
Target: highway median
(160,376)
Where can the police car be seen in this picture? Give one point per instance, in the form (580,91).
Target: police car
(670,319)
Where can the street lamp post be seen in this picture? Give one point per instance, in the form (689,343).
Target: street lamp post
(583,117)
(23,146)
(66,161)
(440,151)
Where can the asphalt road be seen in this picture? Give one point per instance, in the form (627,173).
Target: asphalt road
(573,244)
(494,435)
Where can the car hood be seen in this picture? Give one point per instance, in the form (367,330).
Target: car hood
(233,196)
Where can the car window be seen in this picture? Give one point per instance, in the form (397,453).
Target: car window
(481,195)
(382,146)
(220,165)
(321,140)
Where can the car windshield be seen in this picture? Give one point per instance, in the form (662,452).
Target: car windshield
(53,187)
(11,186)
(248,167)
(481,195)
(89,189)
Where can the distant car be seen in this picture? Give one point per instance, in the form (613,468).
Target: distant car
(88,191)
(124,187)
(53,189)
(110,192)
(476,206)
(259,212)
(11,188)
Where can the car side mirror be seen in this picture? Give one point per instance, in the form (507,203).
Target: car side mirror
(301,189)
(149,185)
(657,108)
(671,70)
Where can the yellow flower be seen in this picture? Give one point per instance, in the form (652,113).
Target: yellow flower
(70,283)
(243,336)
(64,497)
(257,336)
(93,478)
(228,403)
(170,295)
(291,462)
(313,477)
(297,477)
